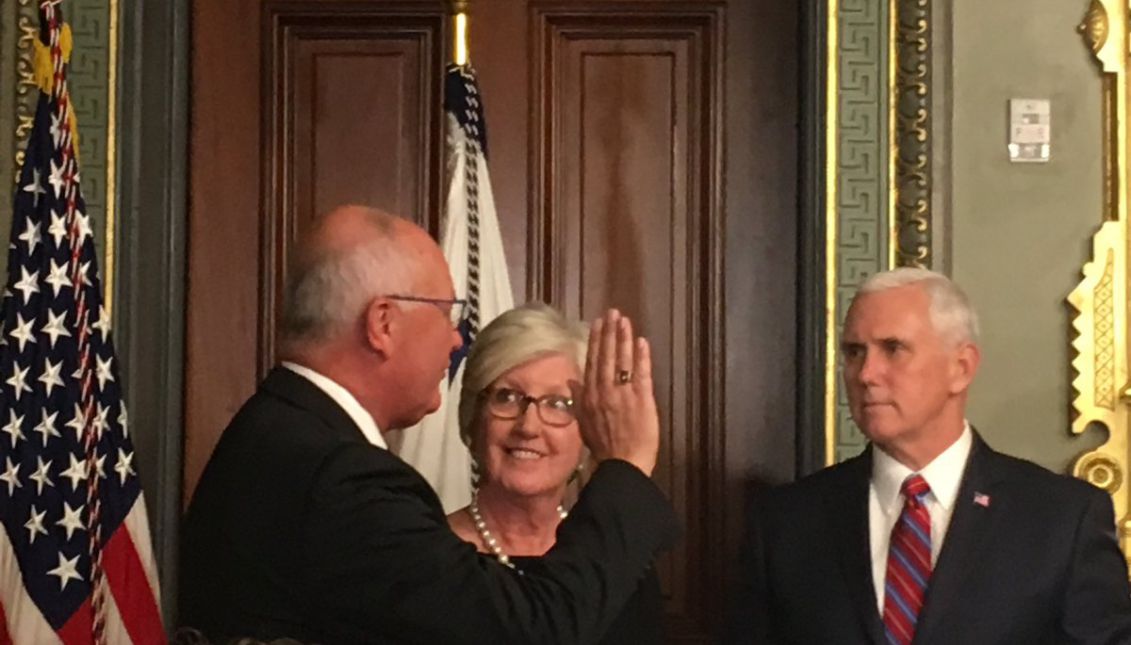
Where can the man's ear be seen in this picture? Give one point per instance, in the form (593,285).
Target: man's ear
(380,319)
(966,360)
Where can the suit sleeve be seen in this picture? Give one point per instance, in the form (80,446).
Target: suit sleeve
(1097,598)
(385,563)
(749,615)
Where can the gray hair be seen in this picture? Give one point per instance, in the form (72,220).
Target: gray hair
(951,313)
(327,291)
(517,336)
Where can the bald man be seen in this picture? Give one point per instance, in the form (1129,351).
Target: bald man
(305,526)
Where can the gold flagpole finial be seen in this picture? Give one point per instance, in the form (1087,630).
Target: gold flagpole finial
(460,50)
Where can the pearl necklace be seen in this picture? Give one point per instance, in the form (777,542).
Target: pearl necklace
(485,534)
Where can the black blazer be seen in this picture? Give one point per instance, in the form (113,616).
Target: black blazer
(301,528)
(1039,563)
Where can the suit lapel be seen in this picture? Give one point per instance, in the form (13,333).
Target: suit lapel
(970,526)
(847,510)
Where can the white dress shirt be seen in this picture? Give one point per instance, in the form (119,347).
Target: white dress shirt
(345,401)
(885,502)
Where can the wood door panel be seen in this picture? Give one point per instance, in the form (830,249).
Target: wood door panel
(265,128)
(352,113)
(629,104)
(222,295)
(375,125)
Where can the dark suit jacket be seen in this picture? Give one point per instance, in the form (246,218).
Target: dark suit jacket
(1038,564)
(301,528)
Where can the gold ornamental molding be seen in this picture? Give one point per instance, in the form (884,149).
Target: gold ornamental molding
(909,109)
(1101,390)
(832,228)
(28,26)
(110,261)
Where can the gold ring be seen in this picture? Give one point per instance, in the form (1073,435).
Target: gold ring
(624,376)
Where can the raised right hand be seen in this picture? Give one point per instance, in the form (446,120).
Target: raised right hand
(618,405)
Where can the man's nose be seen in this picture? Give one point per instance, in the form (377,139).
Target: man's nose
(457,340)
(871,367)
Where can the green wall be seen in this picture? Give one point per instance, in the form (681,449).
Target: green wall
(1016,235)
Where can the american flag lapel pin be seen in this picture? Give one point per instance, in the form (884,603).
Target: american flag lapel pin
(982,499)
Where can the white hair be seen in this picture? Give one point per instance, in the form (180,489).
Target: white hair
(327,293)
(952,315)
(524,333)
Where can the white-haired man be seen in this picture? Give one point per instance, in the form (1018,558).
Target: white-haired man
(928,536)
(304,526)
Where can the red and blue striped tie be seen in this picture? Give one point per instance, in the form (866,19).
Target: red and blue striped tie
(909,563)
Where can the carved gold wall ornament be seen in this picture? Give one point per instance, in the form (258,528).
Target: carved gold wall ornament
(1102,472)
(1095,26)
(910,112)
(26,88)
(1100,347)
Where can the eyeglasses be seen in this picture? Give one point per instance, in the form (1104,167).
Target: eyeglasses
(506,403)
(455,308)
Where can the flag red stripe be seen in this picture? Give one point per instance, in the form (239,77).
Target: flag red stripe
(78,628)
(130,586)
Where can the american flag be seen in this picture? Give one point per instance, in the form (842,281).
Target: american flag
(76,562)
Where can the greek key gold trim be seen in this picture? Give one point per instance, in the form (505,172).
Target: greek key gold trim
(1100,348)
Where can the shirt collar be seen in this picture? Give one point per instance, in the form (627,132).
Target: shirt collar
(943,474)
(362,419)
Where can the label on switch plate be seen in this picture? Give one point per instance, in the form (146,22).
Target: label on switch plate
(1030,131)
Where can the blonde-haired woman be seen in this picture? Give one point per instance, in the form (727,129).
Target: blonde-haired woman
(518,417)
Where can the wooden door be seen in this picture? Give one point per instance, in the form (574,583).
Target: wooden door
(643,155)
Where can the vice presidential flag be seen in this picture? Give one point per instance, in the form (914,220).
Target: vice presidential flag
(474,248)
(76,565)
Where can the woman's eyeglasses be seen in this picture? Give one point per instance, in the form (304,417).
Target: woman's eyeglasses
(507,403)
